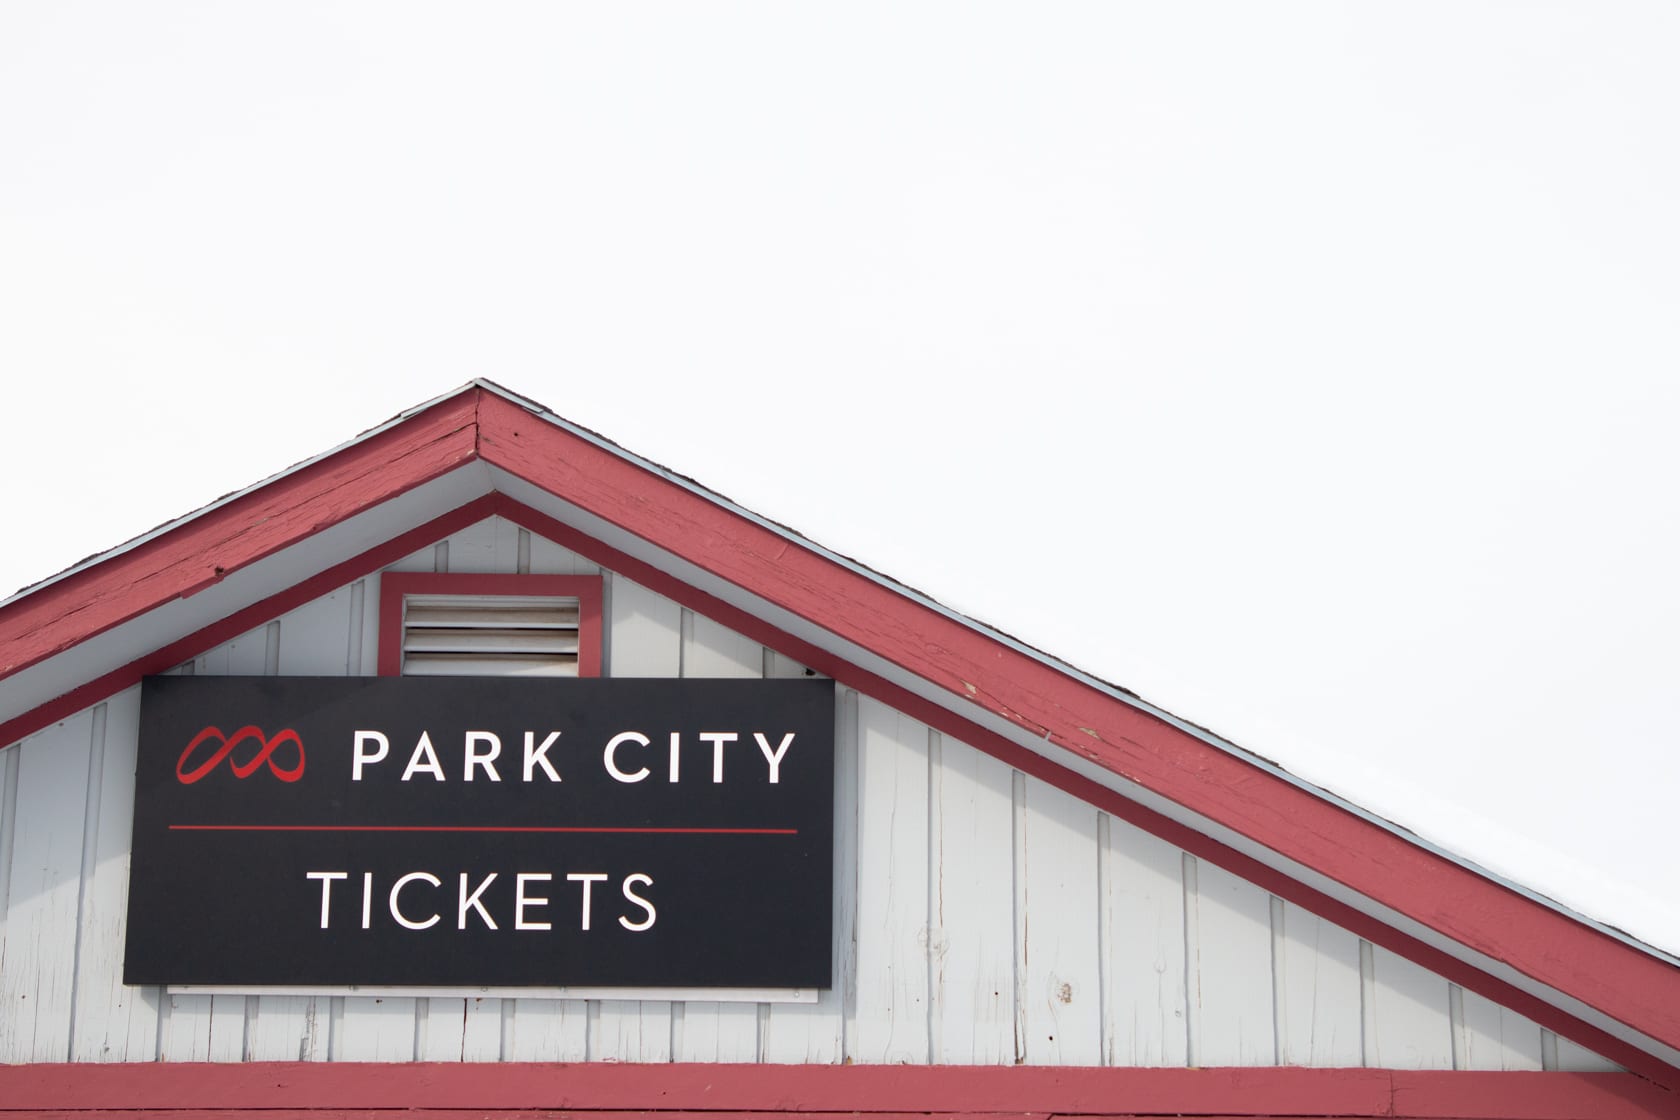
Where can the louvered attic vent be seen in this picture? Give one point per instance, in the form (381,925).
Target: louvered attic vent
(490,635)
(443,624)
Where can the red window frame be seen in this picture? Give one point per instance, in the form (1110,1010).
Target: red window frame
(394,587)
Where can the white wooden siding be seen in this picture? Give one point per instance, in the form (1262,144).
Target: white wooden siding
(981,916)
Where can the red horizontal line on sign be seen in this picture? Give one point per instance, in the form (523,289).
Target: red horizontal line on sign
(474,828)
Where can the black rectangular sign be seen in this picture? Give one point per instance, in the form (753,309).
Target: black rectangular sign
(482,832)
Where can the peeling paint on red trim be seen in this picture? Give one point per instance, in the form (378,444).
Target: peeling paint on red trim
(208,548)
(235,624)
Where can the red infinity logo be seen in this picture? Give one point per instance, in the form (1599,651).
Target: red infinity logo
(241,769)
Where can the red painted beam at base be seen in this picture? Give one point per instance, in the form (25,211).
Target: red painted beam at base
(497,1114)
(1002,1093)
(1533,1096)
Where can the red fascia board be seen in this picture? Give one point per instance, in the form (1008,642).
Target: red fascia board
(1196,843)
(395,586)
(1630,986)
(996,1091)
(204,550)
(237,623)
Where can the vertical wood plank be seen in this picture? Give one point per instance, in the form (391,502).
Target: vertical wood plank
(1061,992)
(710,649)
(481,1029)
(458,1030)
(244,656)
(1230,970)
(631,1031)
(375,1029)
(1318,993)
(781,666)
(362,658)
(717,1032)
(550,559)
(646,632)
(229,1021)
(184,1029)
(114,1023)
(1408,1020)
(9,759)
(37,959)
(420,560)
(545,1030)
(287,1029)
(892,914)
(438,1027)
(197,1028)
(815,1033)
(1491,1037)
(1578,1059)
(491,545)
(1144,960)
(972,944)
(314,638)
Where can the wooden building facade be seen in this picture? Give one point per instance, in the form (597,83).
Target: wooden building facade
(1048,896)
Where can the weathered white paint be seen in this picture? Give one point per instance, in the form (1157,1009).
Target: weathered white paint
(545,1030)
(1145,982)
(1229,934)
(1316,965)
(1578,1059)
(546,558)
(1056,960)
(114,1023)
(1408,1025)
(1487,1036)
(980,916)
(891,1012)
(971,945)
(37,961)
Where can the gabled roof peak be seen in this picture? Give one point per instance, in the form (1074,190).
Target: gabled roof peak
(986,684)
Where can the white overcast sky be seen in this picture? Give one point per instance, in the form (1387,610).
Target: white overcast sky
(1310,369)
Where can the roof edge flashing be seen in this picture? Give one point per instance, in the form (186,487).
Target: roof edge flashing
(144,538)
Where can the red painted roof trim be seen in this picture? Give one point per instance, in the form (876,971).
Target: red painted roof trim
(815,1090)
(1630,986)
(237,623)
(1196,843)
(1624,983)
(181,561)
